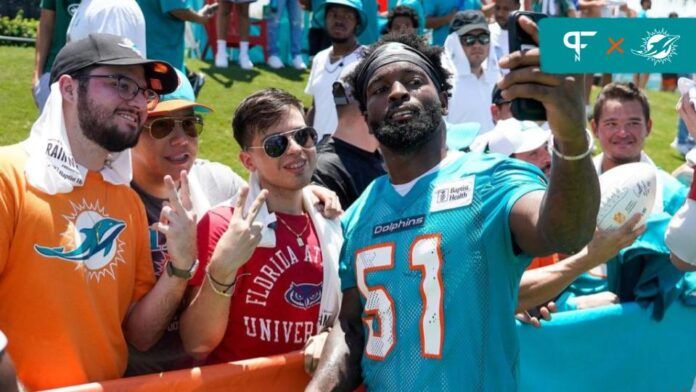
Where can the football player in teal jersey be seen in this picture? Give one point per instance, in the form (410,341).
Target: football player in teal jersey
(434,251)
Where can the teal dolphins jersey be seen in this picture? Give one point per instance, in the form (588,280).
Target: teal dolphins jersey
(438,276)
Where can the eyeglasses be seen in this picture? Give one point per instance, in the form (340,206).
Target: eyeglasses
(128,89)
(276,145)
(161,127)
(470,39)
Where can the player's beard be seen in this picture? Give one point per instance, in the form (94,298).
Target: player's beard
(95,124)
(406,137)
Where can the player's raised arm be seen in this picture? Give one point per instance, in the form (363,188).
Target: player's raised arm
(563,219)
(339,366)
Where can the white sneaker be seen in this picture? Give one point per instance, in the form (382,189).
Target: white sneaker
(275,62)
(681,148)
(245,63)
(221,60)
(298,63)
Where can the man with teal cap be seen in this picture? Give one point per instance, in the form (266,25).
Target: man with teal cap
(343,21)
(167,145)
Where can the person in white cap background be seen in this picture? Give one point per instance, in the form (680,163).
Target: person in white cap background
(523,140)
(74,250)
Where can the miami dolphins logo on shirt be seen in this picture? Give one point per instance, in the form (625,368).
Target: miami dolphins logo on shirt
(303,295)
(95,238)
(659,47)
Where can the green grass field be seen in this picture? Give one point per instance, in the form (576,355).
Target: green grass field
(224,89)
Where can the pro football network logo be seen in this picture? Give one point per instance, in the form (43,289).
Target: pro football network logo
(573,40)
(658,46)
(94,238)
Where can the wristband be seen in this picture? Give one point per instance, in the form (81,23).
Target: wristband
(181,273)
(228,288)
(590,147)
(223,293)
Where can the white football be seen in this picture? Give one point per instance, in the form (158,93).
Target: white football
(626,190)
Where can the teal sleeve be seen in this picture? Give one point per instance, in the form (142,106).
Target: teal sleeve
(511,180)
(430,8)
(172,5)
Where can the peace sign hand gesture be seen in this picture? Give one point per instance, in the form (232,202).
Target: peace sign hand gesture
(239,240)
(178,223)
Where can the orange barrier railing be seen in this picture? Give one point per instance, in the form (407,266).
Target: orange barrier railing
(278,373)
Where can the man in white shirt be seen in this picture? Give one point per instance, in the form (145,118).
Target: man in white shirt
(499,32)
(118,17)
(476,69)
(343,21)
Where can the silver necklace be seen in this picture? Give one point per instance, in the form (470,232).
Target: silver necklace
(333,67)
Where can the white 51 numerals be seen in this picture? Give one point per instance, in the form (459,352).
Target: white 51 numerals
(424,256)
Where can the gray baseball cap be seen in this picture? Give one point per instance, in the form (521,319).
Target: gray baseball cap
(107,49)
(466,21)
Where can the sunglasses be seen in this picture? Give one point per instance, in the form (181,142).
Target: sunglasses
(161,127)
(275,145)
(470,40)
(128,89)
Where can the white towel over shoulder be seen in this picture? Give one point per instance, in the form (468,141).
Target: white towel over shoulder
(51,166)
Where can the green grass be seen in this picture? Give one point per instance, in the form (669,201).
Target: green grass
(224,89)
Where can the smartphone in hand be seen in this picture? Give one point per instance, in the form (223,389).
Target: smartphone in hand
(524,108)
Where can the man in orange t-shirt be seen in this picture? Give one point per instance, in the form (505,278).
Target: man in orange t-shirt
(76,277)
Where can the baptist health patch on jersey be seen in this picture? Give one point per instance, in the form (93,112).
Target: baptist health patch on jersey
(452,194)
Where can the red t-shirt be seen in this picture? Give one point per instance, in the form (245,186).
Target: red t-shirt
(275,305)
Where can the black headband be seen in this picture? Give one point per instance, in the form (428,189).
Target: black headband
(391,53)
